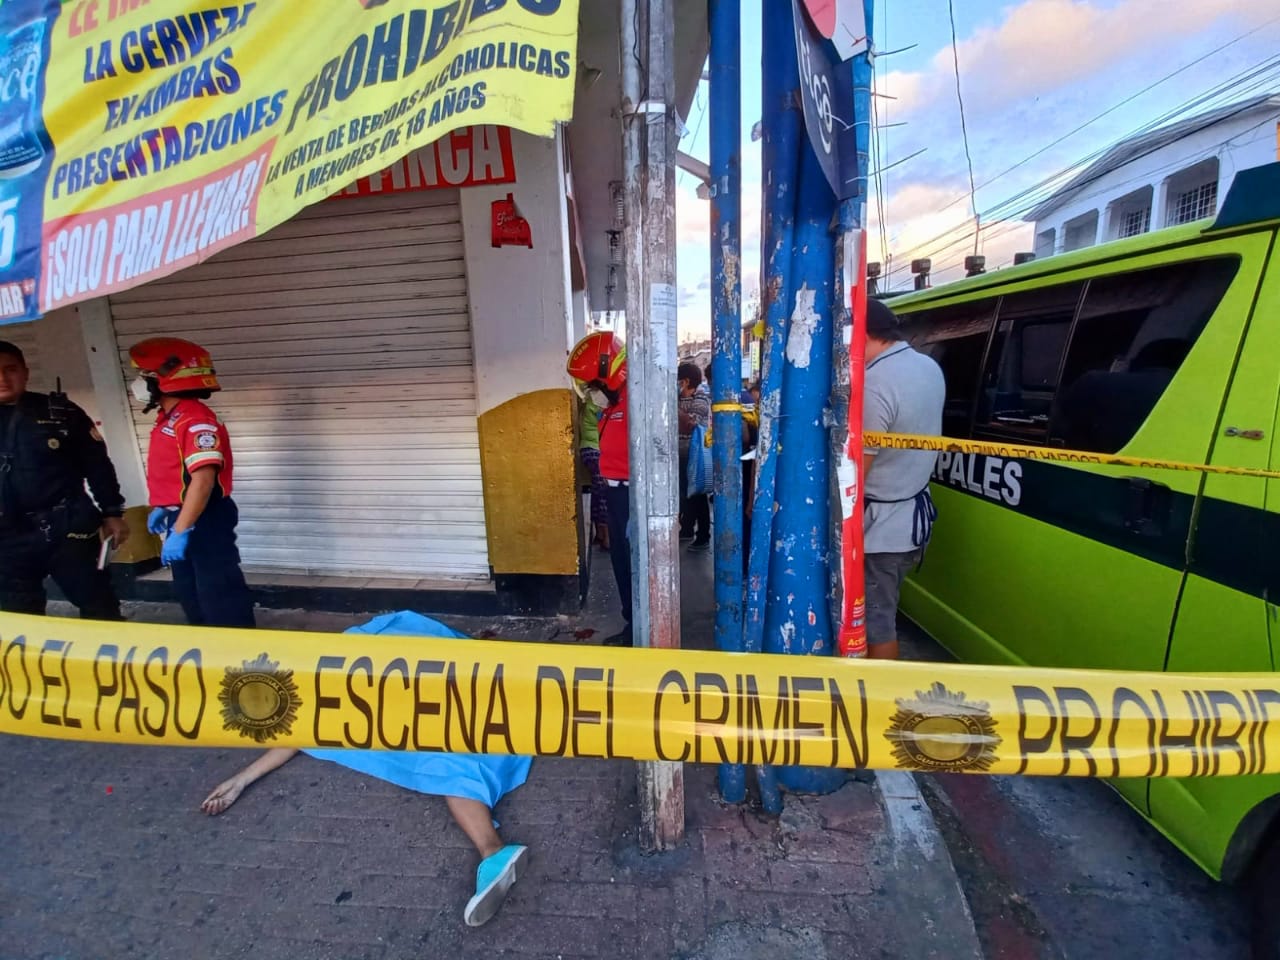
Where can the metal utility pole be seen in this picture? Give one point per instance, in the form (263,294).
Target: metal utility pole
(797,620)
(848,586)
(781,124)
(726,338)
(649,177)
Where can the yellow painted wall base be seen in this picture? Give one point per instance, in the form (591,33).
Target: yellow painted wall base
(529,466)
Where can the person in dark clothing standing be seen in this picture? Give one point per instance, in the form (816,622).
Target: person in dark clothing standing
(694,411)
(49,527)
(189,480)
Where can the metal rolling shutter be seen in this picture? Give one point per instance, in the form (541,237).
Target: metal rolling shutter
(342,340)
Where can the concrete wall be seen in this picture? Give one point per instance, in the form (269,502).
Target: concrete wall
(77,345)
(522,319)
(580,313)
(1245,141)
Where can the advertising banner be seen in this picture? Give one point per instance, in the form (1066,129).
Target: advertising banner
(470,157)
(138,137)
(826,91)
(199,686)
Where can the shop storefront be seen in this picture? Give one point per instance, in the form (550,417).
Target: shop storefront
(392,376)
(393,356)
(343,342)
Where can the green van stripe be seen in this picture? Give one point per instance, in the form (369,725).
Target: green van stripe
(1152,523)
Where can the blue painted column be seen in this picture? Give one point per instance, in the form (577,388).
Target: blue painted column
(862,112)
(847,375)
(782,128)
(798,619)
(726,338)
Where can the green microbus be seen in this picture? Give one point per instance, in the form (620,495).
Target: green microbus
(1162,346)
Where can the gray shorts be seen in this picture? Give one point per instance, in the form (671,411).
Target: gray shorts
(885,573)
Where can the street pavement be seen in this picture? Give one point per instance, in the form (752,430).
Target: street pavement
(1064,869)
(107,855)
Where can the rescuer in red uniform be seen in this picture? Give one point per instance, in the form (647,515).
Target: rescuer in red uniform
(598,366)
(189,480)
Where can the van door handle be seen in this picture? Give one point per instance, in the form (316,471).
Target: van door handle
(1147,504)
(1243,434)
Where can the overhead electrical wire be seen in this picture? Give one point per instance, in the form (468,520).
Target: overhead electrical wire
(992,233)
(1258,76)
(1052,183)
(879,148)
(1114,107)
(964,127)
(879,179)
(1005,227)
(1012,225)
(1010,209)
(1236,89)
(883,132)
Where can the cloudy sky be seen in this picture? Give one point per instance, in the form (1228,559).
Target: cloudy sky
(1031,73)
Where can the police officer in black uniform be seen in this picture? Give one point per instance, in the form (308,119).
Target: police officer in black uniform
(49,526)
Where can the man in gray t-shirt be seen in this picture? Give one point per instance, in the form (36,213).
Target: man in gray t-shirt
(904,393)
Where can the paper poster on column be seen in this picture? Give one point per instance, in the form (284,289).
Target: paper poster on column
(138,137)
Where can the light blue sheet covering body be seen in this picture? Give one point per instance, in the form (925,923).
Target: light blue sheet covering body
(480,777)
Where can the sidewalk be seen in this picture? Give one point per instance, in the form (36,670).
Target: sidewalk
(107,855)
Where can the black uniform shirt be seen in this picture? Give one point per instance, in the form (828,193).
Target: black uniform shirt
(56,449)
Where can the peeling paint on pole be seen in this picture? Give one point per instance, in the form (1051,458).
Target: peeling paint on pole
(804,320)
(731,286)
(780,155)
(798,578)
(798,619)
(725,104)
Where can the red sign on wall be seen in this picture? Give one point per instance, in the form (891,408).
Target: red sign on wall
(470,157)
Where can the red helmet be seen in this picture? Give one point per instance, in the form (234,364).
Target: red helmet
(598,357)
(177,365)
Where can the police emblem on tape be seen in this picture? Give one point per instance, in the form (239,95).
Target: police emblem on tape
(259,699)
(941,730)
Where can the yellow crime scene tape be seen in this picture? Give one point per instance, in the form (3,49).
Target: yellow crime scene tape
(907,441)
(196,686)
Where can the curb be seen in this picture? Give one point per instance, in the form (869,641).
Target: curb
(927,892)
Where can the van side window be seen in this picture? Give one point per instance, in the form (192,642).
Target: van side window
(1020,378)
(1133,333)
(956,337)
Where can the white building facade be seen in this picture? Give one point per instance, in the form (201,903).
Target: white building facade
(1172,175)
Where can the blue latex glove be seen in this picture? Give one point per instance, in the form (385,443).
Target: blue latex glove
(175,546)
(160,520)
